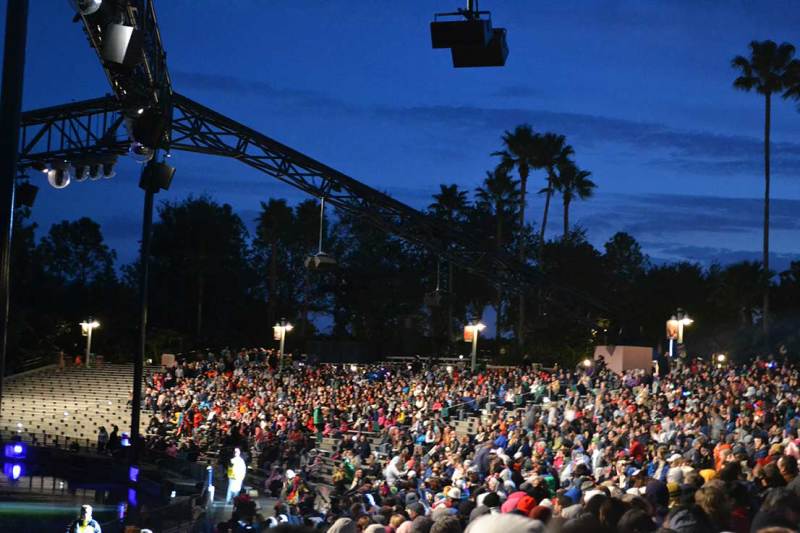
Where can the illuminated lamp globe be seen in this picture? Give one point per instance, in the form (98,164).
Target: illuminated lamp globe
(81,172)
(86,7)
(94,171)
(140,153)
(58,178)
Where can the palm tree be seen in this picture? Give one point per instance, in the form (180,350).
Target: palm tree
(272,226)
(450,207)
(520,152)
(552,151)
(768,70)
(573,183)
(497,199)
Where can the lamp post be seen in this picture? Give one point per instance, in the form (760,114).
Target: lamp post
(280,330)
(86,328)
(471,334)
(675,326)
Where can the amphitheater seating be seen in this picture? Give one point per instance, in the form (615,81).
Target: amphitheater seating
(73,403)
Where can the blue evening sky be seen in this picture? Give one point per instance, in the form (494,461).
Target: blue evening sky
(641,89)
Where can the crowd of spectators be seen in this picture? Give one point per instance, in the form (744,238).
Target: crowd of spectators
(703,448)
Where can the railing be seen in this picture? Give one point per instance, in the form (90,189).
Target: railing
(176,517)
(28,364)
(193,470)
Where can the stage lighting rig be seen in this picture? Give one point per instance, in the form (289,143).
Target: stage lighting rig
(61,173)
(469,35)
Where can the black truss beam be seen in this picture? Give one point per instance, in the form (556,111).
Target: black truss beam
(196,128)
(147,82)
(88,130)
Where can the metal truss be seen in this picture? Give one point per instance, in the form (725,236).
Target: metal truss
(196,128)
(88,130)
(147,81)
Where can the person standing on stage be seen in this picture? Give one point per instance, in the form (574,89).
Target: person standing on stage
(85,523)
(236,472)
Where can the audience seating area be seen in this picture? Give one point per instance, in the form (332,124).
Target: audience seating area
(72,403)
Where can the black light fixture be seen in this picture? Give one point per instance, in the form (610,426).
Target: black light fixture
(470,36)
(320,261)
(81,172)
(493,54)
(108,169)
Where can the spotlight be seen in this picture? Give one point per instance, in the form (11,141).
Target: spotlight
(86,7)
(81,172)
(94,171)
(108,170)
(320,261)
(140,153)
(58,177)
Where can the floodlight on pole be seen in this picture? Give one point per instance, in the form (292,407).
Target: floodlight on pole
(471,334)
(683,321)
(280,329)
(87,327)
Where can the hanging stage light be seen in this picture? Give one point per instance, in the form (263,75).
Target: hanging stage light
(94,171)
(81,172)
(140,153)
(86,7)
(108,169)
(469,34)
(58,177)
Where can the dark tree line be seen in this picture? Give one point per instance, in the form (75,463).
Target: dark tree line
(215,285)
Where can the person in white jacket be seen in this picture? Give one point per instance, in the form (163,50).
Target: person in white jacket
(236,472)
(395,469)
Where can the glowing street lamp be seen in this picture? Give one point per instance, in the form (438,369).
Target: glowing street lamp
(471,334)
(280,329)
(675,326)
(86,328)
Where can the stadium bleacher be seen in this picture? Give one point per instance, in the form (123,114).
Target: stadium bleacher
(72,403)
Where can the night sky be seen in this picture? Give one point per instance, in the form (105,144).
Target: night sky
(642,90)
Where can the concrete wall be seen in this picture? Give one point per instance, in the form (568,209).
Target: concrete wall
(620,358)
